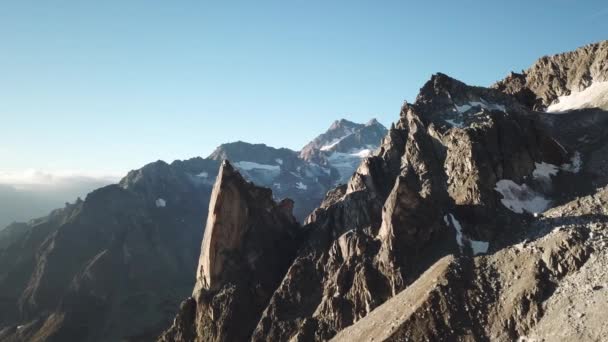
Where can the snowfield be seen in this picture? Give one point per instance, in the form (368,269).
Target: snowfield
(594,96)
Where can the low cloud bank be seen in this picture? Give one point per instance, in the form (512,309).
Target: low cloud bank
(34,193)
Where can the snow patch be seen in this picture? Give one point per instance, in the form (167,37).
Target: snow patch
(203,175)
(279,161)
(575,164)
(277,185)
(457,226)
(301,186)
(248,166)
(482,104)
(478,247)
(520,198)
(161,203)
(594,96)
(544,171)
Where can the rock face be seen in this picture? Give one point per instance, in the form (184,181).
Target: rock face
(249,242)
(524,291)
(446,232)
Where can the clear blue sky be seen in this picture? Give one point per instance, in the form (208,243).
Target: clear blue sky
(112,85)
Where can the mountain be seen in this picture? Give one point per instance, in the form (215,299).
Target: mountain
(482,216)
(344,145)
(90,271)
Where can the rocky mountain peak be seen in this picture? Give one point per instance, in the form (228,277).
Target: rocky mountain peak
(249,242)
(232,202)
(373,122)
(343,124)
(448,102)
(343,146)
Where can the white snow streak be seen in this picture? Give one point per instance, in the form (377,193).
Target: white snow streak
(334,142)
(161,203)
(248,166)
(457,226)
(481,103)
(478,247)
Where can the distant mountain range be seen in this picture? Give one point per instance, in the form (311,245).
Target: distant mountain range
(90,270)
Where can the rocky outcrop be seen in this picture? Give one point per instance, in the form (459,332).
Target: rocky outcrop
(248,244)
(558,75)
(547,287)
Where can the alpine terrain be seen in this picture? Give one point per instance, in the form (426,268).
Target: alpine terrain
(481,217)
(116,265)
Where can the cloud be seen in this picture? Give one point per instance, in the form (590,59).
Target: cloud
(35,177)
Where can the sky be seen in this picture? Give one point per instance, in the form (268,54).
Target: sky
(101,87)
